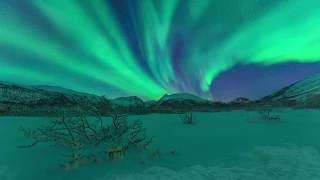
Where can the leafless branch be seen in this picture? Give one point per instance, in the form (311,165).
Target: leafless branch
(266,114)
(188,118)
(77,133)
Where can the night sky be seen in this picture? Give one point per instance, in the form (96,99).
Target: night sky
(217,49)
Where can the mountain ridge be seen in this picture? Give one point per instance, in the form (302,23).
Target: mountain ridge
(299,91)
(34,95)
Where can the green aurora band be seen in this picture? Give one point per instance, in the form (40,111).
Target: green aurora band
(218,35)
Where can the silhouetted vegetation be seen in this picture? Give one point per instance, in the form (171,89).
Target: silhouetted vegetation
(86,140)
(188,118)
(265,112)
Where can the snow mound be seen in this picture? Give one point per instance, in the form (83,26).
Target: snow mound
(6,173)
(282,163)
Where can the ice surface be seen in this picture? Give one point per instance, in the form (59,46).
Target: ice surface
(6,173)
(282,163)
(220,146)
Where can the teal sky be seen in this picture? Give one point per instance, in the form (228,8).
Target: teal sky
(151,47)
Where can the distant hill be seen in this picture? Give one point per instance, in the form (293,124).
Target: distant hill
(128,101)
(299,91)
(58,89)
(180,101)
(38,100)
(150,103)
(29,99)
(180,96)
(18,98)
(241,100)
(41,95)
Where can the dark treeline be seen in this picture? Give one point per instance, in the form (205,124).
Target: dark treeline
(104,105)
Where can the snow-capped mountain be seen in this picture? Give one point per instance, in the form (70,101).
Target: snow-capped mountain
(180,96)
(150,103)
(11,93)
(5,83)
(128,101)
(58,89)
(180,100)
(241,100)
(173,99)
(299,91)
(42,95)
(40,100)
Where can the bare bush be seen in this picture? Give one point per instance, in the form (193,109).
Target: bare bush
(266,114)
(312,102)
(89,141)
(3,111)
(188,118)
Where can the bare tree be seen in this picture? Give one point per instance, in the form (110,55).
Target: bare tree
(266,114)
(89,140)
(187,118)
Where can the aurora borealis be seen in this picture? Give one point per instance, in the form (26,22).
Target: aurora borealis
(152,47)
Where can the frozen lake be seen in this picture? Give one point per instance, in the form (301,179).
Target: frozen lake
(225,145)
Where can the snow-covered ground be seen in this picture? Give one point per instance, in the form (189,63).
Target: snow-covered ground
(226,146)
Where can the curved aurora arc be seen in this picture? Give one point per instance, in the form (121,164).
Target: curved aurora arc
(166,46)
